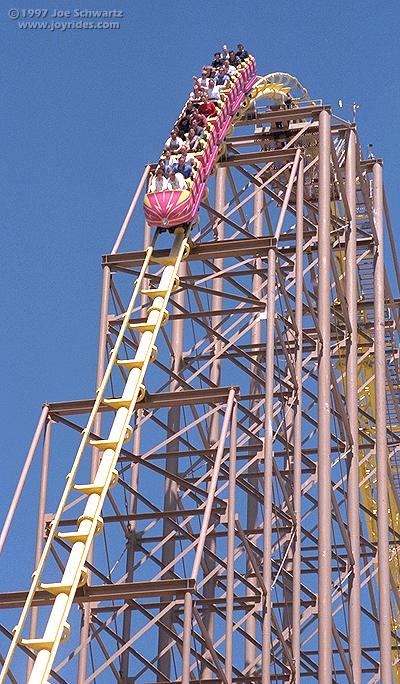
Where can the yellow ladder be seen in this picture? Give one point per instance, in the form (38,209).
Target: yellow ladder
(90,522)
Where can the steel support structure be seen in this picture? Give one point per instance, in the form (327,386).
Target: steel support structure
(253,533)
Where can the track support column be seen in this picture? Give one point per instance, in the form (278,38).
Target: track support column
(324,409)
(40,524)
(214,428)
(381,438)
(268,456)
(230,574)
(353,498)
(171,489)
(297,451)
(255,388)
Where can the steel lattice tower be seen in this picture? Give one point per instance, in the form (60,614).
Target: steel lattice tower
(253,533)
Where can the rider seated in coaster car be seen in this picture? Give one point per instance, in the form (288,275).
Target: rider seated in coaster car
(159,182)
(182,167)
(234,60)
(203,80)
(176,181)
(196,94)
(183,126)
(207,108)
(222,77)
(166,162)
(198,122)
(217,61)
(173,143)
(192,140)
(213,91)
(230,69)
(241,52)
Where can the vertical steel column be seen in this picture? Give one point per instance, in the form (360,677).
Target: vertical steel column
(131,540)
(252,505)
(130,551)
(324,409)
(230,573)
(353,494)
(23,476)
(215,378)
(101,365)
(381,438)
(297,450)
(212,487)
(187,636)
(268,456)
(40,525)
(102,348)
(171,489)
(101,356)
(268,437)
(220,191)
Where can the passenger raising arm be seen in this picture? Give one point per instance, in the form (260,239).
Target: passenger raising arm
(203,80)
(197,92)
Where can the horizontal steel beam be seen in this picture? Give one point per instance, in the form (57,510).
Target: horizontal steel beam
(198,252)
(262,155)
(265,135)
(152,515)
(208,395)
(104,592)
(284,115)
(256,308)
(221,249)
(368,163)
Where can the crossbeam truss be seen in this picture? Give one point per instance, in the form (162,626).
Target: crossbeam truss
(253,532)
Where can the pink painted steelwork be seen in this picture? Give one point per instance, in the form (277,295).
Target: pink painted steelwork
(176,207)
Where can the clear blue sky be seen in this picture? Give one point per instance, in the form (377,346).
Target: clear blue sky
(82,111)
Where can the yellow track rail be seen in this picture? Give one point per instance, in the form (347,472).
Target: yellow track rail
(368,487)
(367,466)
(90,522)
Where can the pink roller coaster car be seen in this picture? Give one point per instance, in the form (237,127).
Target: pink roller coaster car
(170,208)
